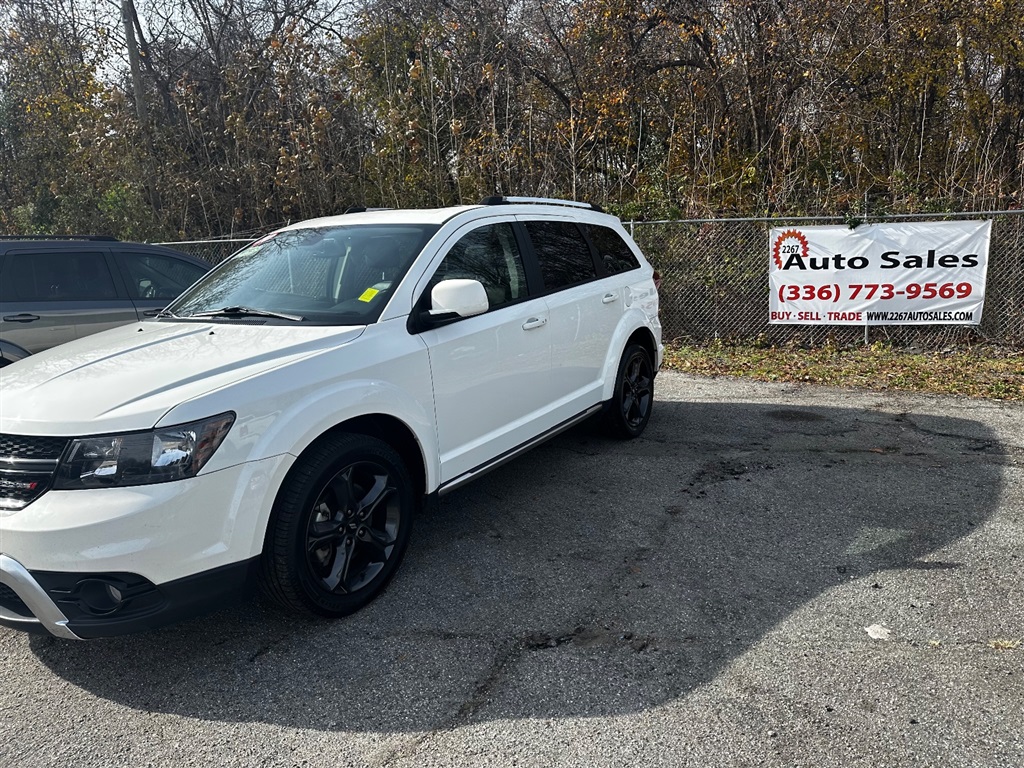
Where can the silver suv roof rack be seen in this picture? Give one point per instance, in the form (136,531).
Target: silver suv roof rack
(500,199)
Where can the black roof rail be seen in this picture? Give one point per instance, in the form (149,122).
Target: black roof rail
(502,200)
(100,238)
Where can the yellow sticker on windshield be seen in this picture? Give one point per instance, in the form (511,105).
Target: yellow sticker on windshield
(368,294)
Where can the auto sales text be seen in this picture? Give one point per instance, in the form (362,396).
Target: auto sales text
(890,260)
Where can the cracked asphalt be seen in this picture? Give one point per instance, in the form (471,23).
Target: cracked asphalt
(699,596)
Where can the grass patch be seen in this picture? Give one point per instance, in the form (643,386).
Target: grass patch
(990,373)
(1002,644)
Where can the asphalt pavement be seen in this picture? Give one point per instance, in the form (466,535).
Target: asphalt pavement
(773,575)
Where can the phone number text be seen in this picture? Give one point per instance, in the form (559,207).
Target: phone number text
(869,291)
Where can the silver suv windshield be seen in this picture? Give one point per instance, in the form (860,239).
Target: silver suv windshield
(324,275)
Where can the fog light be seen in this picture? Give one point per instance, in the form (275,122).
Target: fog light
(99,597)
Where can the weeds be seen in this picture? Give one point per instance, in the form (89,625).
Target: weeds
(978,372)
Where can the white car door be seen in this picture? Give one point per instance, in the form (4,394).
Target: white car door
(492,388)
(584,309)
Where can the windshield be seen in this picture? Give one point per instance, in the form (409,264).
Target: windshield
(327,276)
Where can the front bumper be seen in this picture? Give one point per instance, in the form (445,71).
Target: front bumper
(75,606)
(102,562)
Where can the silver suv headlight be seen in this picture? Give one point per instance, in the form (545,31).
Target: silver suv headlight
(139,458)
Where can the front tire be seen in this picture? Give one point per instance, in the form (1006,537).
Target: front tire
(629,410)
(339,528)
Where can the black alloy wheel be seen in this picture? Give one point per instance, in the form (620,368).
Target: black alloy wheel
(353,528)
(339,528)
(630,407)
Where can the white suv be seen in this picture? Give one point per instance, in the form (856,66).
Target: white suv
(283,419)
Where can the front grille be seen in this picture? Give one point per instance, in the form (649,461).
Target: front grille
(22,447)
(9,599)
(27,465)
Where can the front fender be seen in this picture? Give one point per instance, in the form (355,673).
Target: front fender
(307,420)
(282,411)
(304,422)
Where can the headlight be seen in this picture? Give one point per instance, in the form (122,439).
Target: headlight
(139,458)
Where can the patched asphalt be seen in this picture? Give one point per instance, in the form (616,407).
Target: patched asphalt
(700,596)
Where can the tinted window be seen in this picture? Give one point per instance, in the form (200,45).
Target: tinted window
(158,276)
(69,276)
(563,254)
(488,254)
(612,250)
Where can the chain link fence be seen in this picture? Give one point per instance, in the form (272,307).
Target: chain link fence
(213,251)
(715,284)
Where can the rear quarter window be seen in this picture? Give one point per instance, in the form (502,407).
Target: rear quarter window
(612,250)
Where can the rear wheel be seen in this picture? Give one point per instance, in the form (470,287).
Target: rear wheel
(629,410)
(339,528)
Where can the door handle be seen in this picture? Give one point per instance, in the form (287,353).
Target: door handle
(24,317)
(609,298)
(534,322)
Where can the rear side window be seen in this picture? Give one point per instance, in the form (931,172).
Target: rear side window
(68,276)
(563,253)
(159,276)
(612,250)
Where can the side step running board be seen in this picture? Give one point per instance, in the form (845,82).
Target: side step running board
(506,457)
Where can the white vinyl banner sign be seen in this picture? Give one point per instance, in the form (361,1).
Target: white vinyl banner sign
(879,274)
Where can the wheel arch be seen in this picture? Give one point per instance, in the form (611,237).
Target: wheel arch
(644,338)
(395,433)
(634,332)
(382,426)
(390,429)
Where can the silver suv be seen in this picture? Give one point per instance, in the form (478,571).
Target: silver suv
(53,290)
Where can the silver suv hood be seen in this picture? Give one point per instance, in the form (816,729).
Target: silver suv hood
(127,378)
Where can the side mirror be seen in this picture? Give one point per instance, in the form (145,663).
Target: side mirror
(464,298)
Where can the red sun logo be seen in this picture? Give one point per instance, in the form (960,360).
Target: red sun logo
(789,242)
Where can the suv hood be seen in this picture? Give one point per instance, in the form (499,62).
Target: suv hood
(129,377)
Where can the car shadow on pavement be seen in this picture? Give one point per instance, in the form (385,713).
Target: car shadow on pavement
(590,577)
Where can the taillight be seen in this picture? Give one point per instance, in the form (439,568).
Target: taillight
(657,279)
